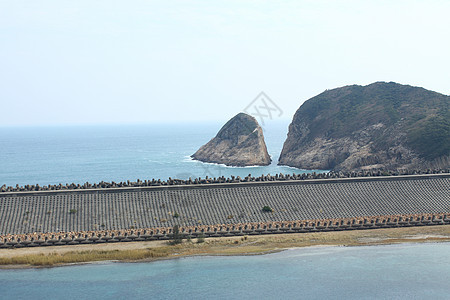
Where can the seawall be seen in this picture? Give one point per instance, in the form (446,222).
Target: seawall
(69,213)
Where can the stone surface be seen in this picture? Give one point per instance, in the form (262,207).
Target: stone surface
(378,126)
(240,142)
(213,204)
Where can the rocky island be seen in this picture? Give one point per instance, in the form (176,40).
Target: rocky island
(378,126)
(240,142)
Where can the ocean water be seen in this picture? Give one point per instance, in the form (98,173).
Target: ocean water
(52,155)
(408,271)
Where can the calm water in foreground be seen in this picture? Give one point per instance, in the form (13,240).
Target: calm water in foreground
(408,271)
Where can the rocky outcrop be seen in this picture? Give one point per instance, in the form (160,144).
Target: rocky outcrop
(378,126)
(240,142)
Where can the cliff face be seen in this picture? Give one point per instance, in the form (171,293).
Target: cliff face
(378,126)
(240,142)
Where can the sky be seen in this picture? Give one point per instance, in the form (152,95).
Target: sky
(131,62)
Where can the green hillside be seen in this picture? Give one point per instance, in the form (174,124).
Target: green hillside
(407,116)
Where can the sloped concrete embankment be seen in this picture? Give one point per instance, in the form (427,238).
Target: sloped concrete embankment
(228,230)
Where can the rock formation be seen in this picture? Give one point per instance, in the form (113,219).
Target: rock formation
(378,126)
(240,142)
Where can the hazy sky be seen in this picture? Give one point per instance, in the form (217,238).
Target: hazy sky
(83,62)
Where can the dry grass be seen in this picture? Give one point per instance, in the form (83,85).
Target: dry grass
(247,245)
(84,256)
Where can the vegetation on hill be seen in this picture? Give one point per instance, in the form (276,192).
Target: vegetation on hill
(384,115)
(432,138)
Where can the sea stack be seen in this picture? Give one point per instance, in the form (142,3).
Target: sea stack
(240,143)
(384,125)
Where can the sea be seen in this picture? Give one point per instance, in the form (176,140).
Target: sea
(406,271)
(78,154)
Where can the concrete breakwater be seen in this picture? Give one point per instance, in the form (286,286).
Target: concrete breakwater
(215,180)
(78,212)
(221,230)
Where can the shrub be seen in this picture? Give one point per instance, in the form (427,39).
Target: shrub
(201,238)
(72,211)
(177,237)
(267,209)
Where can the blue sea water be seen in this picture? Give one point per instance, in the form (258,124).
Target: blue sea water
(53,155)
(408,271)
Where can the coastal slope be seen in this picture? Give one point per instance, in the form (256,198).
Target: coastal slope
(240,142)
(378,126)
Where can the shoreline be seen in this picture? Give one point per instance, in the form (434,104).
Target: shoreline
(55,256)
